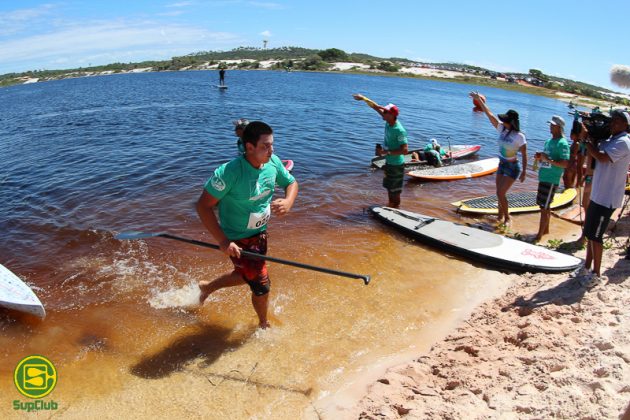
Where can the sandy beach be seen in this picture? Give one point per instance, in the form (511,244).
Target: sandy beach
(547,347)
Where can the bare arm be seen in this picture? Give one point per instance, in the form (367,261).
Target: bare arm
(596,154)
(493,120)
(523,150)
(402,150)
(205,210)
(580,168)
(376,107)
(282,206)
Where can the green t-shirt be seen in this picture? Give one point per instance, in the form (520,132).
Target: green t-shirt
(556,149)
(395,137)
(245,194)
(430,147)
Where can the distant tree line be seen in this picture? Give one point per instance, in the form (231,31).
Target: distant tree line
(305,59)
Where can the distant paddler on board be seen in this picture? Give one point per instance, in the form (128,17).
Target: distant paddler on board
(394,151)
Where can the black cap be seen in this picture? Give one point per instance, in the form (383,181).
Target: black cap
(511,117)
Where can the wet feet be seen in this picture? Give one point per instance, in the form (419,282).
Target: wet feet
(204,291)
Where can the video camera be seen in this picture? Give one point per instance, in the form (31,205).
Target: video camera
(597,124)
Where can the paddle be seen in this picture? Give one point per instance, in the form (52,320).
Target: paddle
(248,254)
(450,152)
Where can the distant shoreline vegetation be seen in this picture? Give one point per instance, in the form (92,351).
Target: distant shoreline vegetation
(333,59)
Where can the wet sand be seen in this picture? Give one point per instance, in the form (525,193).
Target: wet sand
(547,348)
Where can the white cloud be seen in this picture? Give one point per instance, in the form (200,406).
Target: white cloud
(266,33)
(172,13)
(21,19)
(266,5)
(100,39)
(181,4)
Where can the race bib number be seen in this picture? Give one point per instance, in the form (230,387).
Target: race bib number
(258,220)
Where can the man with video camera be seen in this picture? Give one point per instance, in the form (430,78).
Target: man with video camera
(612,155)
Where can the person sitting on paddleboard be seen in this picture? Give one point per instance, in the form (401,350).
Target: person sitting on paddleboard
(239,128)
(394,151)
(511,142)
(432,153)
(243,189)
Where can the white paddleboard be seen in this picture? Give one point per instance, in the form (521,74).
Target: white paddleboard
(221,86)
(15,294)
(461,171)
(476,244)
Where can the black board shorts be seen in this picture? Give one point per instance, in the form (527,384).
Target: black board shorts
(546,192)
(596,223)
(394,176)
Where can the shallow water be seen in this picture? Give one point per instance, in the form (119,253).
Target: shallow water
(86,158)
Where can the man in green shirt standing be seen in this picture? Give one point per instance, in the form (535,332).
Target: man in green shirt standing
(553,160)
(242,189)
(395,149)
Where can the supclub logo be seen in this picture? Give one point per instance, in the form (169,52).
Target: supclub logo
(35,376)
(217,183)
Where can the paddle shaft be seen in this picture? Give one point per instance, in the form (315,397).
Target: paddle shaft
(253,255)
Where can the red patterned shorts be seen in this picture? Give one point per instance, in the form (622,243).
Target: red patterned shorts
(253,271)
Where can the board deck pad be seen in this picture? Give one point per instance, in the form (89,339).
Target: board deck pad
(475,244)
(519,202)
(460,171)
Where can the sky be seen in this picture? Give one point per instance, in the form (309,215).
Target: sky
(508,36)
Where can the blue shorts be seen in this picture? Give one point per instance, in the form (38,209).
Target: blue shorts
(511,169)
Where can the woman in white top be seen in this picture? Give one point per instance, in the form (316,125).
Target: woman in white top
(511,142)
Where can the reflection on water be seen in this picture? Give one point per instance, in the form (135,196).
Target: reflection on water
(90,157)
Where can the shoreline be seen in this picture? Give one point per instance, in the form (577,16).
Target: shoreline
(546,347)
(406,72)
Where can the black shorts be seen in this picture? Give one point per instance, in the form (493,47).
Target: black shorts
(596,223)
(546,192)
(394,176)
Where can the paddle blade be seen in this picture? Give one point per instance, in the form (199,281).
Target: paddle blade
(135,235)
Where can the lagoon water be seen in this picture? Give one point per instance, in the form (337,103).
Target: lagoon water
(86,158)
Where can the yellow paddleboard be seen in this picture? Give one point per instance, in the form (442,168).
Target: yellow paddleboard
(521,202)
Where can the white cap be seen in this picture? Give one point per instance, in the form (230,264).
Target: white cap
(557,120)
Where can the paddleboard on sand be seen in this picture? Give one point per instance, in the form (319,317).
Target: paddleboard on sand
(15,294)
(288,165)
(574,214)
(520,202)
(476,244)
(461,171)
(459,151)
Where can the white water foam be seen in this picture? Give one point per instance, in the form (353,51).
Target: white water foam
(177,297)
